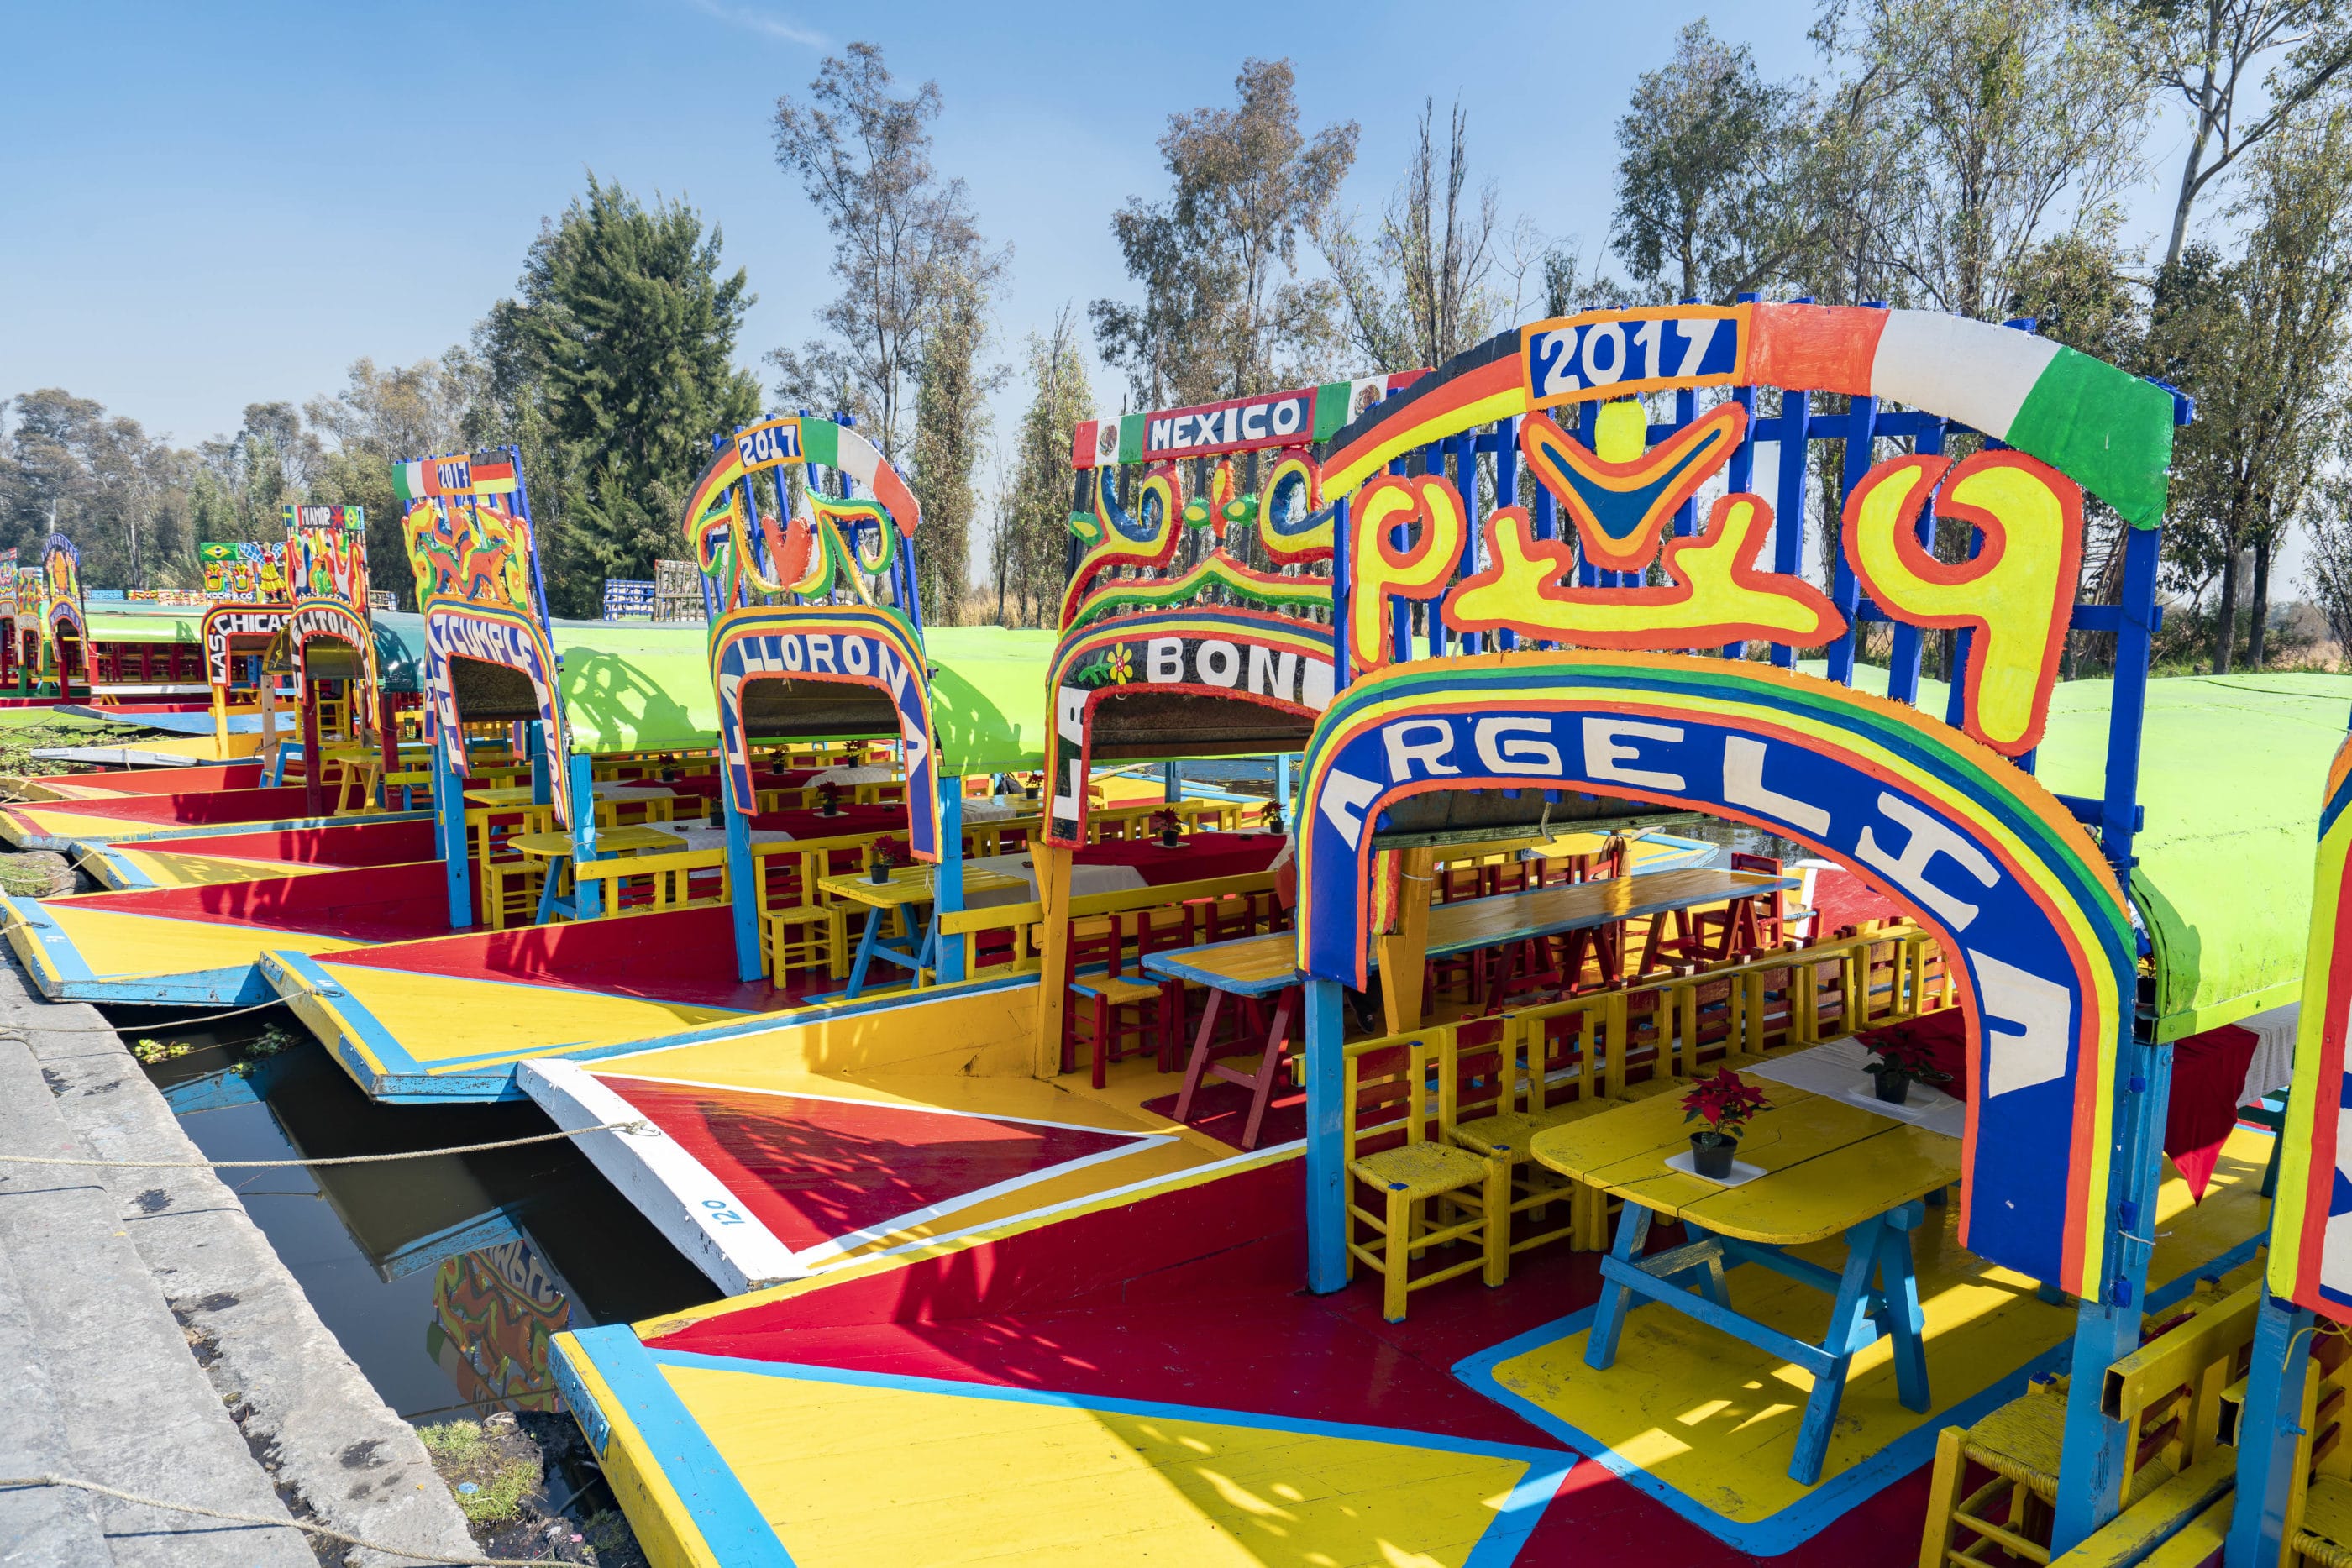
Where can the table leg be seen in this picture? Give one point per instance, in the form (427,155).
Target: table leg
(1899,1287)
(1711,1283)
(1269,1065)
(1609,1317)
(1848,1315)
(866,941)
(547,889)
(1200,1063)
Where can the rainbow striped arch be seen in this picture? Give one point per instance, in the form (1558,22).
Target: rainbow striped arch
(1977,851)
(1235,654)
(2106,429)
(493,634)
(872,648)
(2311,1226)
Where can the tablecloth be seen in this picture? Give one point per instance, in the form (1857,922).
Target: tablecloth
(852,821)
(1123,866)
(2208,1072)
(1200,857)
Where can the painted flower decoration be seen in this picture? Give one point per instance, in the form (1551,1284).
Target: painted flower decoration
(1122,665)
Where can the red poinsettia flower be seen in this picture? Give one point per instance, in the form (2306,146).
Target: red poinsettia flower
(1909,1055)
(1166,823)
(886,852)
(1725,1102)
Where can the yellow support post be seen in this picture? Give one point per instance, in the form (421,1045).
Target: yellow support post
(1052,866)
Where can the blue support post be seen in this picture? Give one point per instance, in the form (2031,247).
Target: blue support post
(1741,474)
(1465,479)
(1588,431)
(742,880)
(449,826)
(1788,506)
(1845,587)
(2267,1436)
(1171,781)
(2097,1451)
(946,882)
(1903,663)
(542,785)
(1506,490)
(1326,1162)
(587,898)
(1339,594)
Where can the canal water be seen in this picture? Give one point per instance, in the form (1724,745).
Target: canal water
(443,1278)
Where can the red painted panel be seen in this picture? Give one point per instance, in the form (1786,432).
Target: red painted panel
(815,1169)
(371,903)
(164,780)
(360,844)
(684,956)
(219,806)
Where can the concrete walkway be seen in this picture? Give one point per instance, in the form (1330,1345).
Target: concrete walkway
(150,1340)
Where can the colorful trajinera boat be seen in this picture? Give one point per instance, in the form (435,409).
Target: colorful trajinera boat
(1097,1158)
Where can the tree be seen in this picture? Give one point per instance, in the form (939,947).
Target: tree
(122,494)
(624,331)
(952,422)
(395,415)
(1029,553)
(905,249)
(2266,355)
(1709,153)
(1421,291)
(1225,310)
(1967,133)
(2207,53)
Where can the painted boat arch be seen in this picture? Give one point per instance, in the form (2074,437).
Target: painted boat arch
(1161,667)
(870,649)
(1978,852)
(63,620)
(1613,553)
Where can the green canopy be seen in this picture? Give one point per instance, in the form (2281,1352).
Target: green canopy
(988,697)
(146,623)
(635,686)
(2232,771)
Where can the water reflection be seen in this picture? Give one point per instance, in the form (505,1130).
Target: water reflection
(444,1277)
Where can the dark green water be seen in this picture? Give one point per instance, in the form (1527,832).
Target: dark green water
(443,1277)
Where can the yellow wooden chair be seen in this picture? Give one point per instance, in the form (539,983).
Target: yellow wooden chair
(1384,1096)
(1491,1102)
(805,936)
(2168,1393)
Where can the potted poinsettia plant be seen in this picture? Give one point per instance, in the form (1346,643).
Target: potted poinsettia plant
(1902,1060)
(882,856)
(1725,1102)
(1171,829)
(828,800)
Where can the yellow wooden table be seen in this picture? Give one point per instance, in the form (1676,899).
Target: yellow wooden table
(555,849)
(1814,1167)
(909,885)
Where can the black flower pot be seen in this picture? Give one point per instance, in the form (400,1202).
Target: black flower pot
(1894,1088)
(1169,839)
(1712,1159)
(879,875)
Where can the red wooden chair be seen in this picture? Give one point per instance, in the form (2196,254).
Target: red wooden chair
(1114,1007)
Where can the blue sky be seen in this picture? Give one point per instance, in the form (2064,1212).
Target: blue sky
(203,206)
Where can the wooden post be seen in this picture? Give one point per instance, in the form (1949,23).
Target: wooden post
(1403,953)
(1052,866)
(948,880)
(313,763)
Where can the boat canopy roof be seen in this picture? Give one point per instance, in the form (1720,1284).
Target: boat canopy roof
(638,685)
(2232,768)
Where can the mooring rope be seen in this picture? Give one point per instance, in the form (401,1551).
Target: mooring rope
(318,1530)
(639,1126)
(208,1017)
